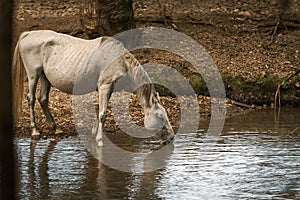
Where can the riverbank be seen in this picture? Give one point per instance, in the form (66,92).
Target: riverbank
(252,53)
(61,107)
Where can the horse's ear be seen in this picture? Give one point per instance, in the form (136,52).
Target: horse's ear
(152,99)
(157,97)
(146,91)
(126,58)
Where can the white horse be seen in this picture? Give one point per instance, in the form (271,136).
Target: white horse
(61,61)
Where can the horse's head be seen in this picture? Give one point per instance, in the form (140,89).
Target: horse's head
(156,119)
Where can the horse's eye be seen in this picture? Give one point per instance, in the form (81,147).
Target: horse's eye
(160,115)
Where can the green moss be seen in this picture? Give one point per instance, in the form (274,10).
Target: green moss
(258,92)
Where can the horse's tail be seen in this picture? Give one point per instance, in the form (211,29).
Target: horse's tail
(18,73)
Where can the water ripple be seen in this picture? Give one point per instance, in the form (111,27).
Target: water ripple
(256,157)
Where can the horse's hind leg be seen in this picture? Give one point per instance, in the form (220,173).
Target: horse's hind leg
(44,101)
(32,83)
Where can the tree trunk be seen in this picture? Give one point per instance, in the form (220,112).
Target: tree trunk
(106,17)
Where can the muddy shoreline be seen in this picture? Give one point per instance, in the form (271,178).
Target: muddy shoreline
(237,35)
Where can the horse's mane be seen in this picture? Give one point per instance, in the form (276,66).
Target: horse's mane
(145,88)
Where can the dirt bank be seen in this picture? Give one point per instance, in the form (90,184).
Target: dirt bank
(252,53)
(239,35)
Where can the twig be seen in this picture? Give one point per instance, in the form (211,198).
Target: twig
(279,21)
(166,20)
(240,104)
(293,131)
(277,94)
(275,30)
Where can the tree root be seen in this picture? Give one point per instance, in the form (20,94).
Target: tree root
(279,23)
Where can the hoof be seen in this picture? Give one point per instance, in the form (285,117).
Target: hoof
(58,131)
(99,140)
(163,142)
(35,136)
(99,143)
(167,141)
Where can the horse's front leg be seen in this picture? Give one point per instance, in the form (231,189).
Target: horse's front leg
(105,91)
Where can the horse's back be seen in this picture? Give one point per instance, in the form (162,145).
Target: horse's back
(66,59)
(61,57)
(47,35)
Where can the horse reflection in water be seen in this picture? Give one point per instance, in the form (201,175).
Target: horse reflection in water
(53,171)
(77,66)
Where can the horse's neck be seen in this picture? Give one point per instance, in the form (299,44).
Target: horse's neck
(145,94)
(145,88)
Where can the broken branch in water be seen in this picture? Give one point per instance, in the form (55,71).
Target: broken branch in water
(240,104)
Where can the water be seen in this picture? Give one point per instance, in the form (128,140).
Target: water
(256,157)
